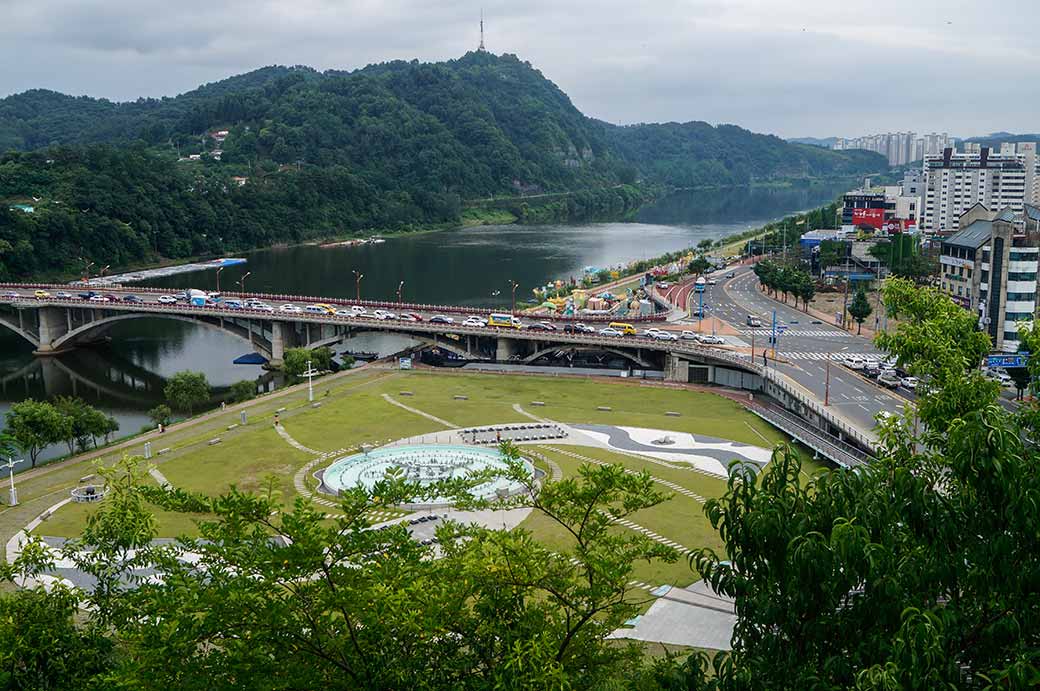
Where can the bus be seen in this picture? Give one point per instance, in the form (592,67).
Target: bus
(506,320)
(625,329)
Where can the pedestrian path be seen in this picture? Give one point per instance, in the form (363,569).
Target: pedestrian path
(652,535)
(392,401)
(828,333)
(292,442)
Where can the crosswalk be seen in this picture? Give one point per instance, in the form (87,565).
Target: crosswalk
(833,357)
(821,333)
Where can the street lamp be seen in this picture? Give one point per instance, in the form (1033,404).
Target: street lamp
(357,284)
(242,282)
(399,287)
(86,268)
(13,492)
(218,277)
(104,269)
(512,310)
(310,382)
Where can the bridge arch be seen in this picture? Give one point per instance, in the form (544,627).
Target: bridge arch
(26,335)
(105,323)
(587,349)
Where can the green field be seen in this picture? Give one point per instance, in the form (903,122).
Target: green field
(354,411)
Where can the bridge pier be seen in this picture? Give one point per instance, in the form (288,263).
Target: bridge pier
(506,348)
(53,324)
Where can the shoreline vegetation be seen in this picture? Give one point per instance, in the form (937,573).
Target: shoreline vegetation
(615,203)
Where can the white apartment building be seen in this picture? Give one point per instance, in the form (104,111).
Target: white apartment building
(954,182)
(899,147)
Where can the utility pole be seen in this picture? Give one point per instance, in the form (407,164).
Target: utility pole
(773,338)
(827,385)
(310,382)
(357,284)
(399,287)
(242,281)
(218,277)
(845,300)
(512,310)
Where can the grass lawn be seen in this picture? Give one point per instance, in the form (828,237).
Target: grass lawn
(354,411)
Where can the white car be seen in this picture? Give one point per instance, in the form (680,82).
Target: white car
(664,285)
(260,307)
(289,308)
(384,314)
(164,299)
(854,362)
(688,336)
(710,339)
(102,298)
(582,328)
(909,383)
(665,336)
(357,309)
(651,333)
(314,309)
(609,332)
(345,313)
(62,295)
(474,321)
(11,294)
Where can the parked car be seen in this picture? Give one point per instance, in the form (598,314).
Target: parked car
(167,299)
(289,308)
(609,331)
(854,362)
(889,379)
(441,319)
(871,368)
(909,383)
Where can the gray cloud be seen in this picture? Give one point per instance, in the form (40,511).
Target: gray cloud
(792,67)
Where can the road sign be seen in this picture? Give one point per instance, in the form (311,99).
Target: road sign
(404,363)
(1016,360)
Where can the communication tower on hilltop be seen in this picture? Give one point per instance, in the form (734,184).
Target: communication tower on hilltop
(481,48)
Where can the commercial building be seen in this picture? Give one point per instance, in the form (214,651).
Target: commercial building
(990,267)
(885,208)
(954,182)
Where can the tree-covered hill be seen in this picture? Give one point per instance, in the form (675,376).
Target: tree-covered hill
(312,154)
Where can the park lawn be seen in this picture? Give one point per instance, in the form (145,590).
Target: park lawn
(243,461)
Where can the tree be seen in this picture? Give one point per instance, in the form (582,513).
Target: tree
(34,425)
(187,390)
(85,423)
(334,604)
(160,415)
(243,390)
(1020,375)
(912,572)
(860,308)
(698,266)
(295,360)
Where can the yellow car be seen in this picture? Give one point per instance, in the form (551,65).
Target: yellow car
(329,309)
(42,294)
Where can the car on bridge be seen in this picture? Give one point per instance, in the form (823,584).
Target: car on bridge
(610,331)
(441,319)
(410,317)
(132,298)
(167,299)
(287,307)
(82,296)
(314,309)
(41,294)
(63,295)
(98,298)
(665,336)
(688,336)
(12,294)
(711,339)
(474,321)
(387,314)
(624,328)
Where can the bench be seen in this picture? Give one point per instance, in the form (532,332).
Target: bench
(604,407)
(232,426)
(537,402)
(461,398)
(214,441)
(405,393)
(163,451)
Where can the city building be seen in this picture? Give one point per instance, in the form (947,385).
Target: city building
(899,148)
(990,267)
(885,209)
(954,182)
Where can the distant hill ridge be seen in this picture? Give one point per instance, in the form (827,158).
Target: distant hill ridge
(477,125)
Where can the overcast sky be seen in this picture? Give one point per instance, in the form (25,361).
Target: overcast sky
(790,67)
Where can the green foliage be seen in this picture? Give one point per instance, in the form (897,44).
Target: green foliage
(35,425)
(333,604)
(393,147)
(916,572)
(243,390)
(699,266)
(786,280)
(85,423)
(160,415)
(187,390)
(860,308)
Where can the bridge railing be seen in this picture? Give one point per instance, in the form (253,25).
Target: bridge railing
(368,304)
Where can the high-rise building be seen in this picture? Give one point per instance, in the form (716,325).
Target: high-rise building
(899,148)
(954,182)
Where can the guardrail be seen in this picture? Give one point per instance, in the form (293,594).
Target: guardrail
(841,453)
(374,304)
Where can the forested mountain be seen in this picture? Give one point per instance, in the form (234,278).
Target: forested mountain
(310,154)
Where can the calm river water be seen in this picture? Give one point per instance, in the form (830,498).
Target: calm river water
(465,266)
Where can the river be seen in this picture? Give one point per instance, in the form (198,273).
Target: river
(470,266)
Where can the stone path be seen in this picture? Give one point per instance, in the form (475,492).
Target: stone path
(392,401)
(679,489)
(652,535)
(554,467)
(292,442)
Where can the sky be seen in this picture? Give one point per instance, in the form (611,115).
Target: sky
(788,67)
